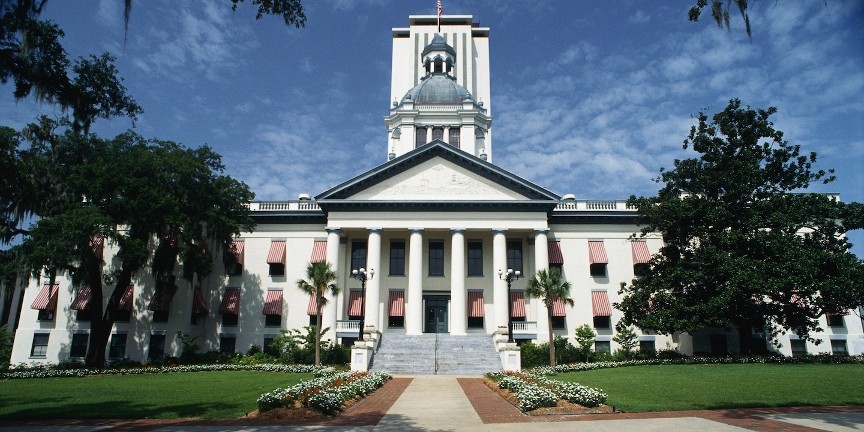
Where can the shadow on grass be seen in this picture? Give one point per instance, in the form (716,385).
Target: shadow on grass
(63,408)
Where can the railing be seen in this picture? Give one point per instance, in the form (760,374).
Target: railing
(438,108)
(283,205)
(348,326)
(524,327)
(593,205)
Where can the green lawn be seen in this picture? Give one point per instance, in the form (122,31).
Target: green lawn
(209,395)
(685,387)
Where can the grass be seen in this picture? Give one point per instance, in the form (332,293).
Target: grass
(207,395)
(687,387)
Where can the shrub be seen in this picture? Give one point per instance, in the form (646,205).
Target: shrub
(6,338)
(585,336)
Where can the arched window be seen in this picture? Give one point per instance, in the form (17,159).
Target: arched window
(439,65)
(421,137)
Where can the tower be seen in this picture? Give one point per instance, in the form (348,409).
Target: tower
(440,86)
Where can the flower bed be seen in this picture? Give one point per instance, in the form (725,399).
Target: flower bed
(326,393)
(58,373)
(534,391)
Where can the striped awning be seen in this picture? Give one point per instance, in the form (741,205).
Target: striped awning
(273,302)
(97,243)
(198,305)
(83,300)
(126,300)
(319,251)
(277,252)
(47,298)
(397,303)
(597,253)
(475,304)
(517,302)
(355,303)
(161,302)
(600,303)
(230,302)
(239,248)
(312,310)
(640,252)
(555,255)
(558,308)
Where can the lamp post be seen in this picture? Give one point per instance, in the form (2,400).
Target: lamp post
(362,275)
(509,276)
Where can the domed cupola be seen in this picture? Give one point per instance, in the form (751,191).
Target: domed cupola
(438,57)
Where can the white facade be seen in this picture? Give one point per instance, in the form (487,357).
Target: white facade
(436,222)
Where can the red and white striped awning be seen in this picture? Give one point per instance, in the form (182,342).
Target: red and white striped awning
(555,255)
(126,301)
(161,302)
(600,303)
(475,304)
(198,305)
(517,301)
(640,252)
(558,308)
(230,302)
(277,252)
(273,302)
(397,303)
(597,253)
(239,250)
(98,244)
(319,251)
(47,298)
(83,300)
(312,309)
(355,303)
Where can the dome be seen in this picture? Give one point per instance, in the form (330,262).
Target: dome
(438,89)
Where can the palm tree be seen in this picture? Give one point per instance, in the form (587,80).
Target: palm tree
(549,286)
(320,278)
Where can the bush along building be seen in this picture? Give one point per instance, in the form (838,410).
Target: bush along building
(422,246)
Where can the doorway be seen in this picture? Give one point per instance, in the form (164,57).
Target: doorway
(435,313)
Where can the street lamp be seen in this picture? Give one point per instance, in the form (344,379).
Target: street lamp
(362,275)
(509,276)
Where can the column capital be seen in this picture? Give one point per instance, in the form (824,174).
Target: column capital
(416,230)
(374,230)
(499,230)
(333,230)
(541,231)
(457,230)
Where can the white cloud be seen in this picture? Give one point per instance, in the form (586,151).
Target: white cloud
(639,17)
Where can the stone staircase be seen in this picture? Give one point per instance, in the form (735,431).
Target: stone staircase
(472,354)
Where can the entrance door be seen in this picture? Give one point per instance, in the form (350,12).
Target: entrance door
(436,313)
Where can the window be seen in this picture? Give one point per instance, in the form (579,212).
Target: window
(838,347)
(647,346)
(83,315)
(397,258)
(358,255)
(40,345)
(799,347)
(313,320)
(640,270)
(835,320)
(226,344)
(230,319)
(602,322)
(603,347)
(117,347)
(272,320)
(475,258)
(420,137)
(277,269)
(46,315)
(234,258)
(396,309)
(598,270)
(438,134)
(514,255)
(160,316)
(396,321)
(559,322)
(269,348)
(475,322)
(78,349)
(156,351)
(454,136)
(436,258)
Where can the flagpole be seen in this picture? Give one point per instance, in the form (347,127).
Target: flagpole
(440,10)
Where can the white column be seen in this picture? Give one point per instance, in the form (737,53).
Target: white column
(373,285)
(414,309)
(332,311)
(541,262)
(458,296)
(499,262)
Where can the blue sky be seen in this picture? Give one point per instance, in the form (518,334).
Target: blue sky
(589,98)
